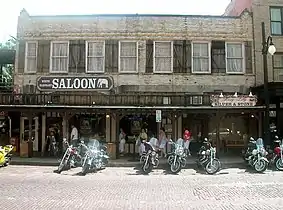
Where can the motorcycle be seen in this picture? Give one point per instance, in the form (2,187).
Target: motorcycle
(71,157)
(5,155)
(177,159)
(255,155)
(149,158)
(275,157)
(95,157)
(207,158)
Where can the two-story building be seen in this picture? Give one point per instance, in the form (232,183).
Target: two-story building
(271,14)
(105,72)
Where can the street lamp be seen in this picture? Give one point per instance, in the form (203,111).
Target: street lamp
(267,47)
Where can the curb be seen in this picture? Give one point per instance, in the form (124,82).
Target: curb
(126,165)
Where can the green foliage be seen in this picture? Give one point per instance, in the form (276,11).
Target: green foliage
(6,79)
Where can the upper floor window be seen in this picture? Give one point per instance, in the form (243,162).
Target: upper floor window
(31,57)
(128,56)
(162,57)
(276,20)
(201,57)
(235,57)
(59,58)
(95,56)
(278,66)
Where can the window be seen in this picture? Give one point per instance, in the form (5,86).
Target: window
(278,66)
(201,59)
(31,57)
(276,20)
(59,58)
(95,52)
(235,58)
(162,57)
(128,56)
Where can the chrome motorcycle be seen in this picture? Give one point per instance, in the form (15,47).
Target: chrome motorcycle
(177,159)
(256,156)
(95,157)
(71,157)
(149,159)
(207,158)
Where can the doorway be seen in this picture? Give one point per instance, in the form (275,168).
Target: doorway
(24,131)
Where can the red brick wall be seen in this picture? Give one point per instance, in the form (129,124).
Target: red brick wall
(236,7)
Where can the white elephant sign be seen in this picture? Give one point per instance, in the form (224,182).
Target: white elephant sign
(68,83)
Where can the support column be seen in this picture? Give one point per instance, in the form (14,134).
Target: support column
(30,143)
(108,128)
(260,131)
(43,133)
(113,137)
(180,127)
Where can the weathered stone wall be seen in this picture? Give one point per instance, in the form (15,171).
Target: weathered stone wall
(261,14)
(141,28)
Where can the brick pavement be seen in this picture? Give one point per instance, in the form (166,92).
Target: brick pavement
(31,187)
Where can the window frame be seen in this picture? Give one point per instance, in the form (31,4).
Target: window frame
(154,57)
(119,56)
(281,11)
(209,56)
(274,68)
(243,58)
(26,55)
(87,56)
(51,56)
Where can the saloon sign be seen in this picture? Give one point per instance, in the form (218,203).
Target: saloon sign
(69,83)
(231,101)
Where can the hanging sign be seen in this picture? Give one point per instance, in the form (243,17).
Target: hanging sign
(70,83)
(158,116)
(231,101)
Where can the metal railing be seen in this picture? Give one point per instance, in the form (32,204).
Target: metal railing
(137,99)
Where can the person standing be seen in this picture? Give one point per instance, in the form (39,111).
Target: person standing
(122,142)
(162,141)
(74,136)
(187,140)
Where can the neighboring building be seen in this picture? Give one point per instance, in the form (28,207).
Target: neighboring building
(122,68)
(271,13)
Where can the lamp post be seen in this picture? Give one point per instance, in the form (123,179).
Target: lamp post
(267,47)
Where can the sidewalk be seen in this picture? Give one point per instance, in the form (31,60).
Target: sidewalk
(125,162)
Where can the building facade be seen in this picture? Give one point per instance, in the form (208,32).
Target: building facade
(105,72)
(269,13)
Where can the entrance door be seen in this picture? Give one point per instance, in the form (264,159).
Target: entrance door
(24,130)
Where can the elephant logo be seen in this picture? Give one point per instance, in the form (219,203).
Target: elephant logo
(102,83)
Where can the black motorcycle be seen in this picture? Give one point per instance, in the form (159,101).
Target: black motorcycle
(149,158)
(207,158)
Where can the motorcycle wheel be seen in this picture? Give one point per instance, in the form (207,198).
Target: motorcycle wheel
(176,168)
(147,167)
(212,167)
(62,166)
(8,161)
(85,169)
(279,164)
(183,162)
(260,166)
(170,159)
(156,163)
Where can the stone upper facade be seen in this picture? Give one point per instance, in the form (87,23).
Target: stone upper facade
(141,28)
(261,13)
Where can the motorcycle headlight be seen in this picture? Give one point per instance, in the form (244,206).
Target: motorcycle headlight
(207,152)
(203,152)
(179,151)
(153,153)
(254,152)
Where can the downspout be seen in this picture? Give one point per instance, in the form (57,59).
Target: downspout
(254,50)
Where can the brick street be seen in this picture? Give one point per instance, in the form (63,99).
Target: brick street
(34,187)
